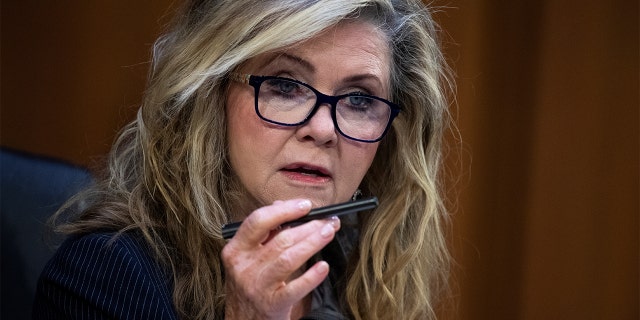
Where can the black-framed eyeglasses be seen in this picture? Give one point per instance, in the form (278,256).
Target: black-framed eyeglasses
(288,102)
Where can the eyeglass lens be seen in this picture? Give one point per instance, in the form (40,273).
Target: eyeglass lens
(289,102)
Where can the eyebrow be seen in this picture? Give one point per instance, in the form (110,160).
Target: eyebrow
(304,63)
(363,77)
(310,67)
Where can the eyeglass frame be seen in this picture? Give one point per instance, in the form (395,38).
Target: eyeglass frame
(321,98)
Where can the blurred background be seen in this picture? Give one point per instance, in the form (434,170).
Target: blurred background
(546,199)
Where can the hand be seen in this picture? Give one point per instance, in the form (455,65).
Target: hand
(262,263)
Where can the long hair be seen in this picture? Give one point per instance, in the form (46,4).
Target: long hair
(169,178)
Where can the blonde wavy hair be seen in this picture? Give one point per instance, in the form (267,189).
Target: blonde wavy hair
(168,175)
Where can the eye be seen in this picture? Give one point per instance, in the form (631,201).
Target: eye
(358,101)
(282,86)
(286,86)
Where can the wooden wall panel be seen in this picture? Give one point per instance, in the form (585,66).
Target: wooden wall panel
(547,219)
(73,73)
(581,248)
(547,225)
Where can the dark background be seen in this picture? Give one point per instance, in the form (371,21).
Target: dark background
(545,224)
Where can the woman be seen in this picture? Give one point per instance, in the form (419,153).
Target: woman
(260,111)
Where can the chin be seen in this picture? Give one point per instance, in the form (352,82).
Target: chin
(318,198)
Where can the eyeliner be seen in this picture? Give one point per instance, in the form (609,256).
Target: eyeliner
(230,229)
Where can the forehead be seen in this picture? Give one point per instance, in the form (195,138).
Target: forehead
(361,36)
(347,47)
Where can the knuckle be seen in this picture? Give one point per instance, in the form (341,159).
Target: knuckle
(252,292)
(285,261)
(228,254)
(283,240)
(254,220)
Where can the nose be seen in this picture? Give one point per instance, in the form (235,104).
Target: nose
(320,128)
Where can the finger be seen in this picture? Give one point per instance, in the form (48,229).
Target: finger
(307,282)
(257,226)
(304,233)
(292,248)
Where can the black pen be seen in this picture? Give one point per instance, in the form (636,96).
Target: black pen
(230,229)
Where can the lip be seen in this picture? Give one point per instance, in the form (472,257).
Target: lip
(306,172)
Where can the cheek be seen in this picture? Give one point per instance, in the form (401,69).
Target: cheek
(367,154)
(359,161)
(236,104)
(240,128)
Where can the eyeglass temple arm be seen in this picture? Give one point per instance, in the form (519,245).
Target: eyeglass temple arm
(240,77)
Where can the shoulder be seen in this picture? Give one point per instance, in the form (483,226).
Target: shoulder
(123,256)
(97,248)
(105,274)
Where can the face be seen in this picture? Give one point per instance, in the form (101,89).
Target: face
(312,160)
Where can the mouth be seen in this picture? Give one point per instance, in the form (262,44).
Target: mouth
(307,170)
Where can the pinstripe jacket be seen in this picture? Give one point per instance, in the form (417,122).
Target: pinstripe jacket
(96,276)
(93,277)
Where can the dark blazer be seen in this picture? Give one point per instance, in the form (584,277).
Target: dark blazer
(96,276)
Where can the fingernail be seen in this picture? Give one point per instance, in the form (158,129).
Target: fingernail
(322,267)
(335,222)
(304,204)
(327,230)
